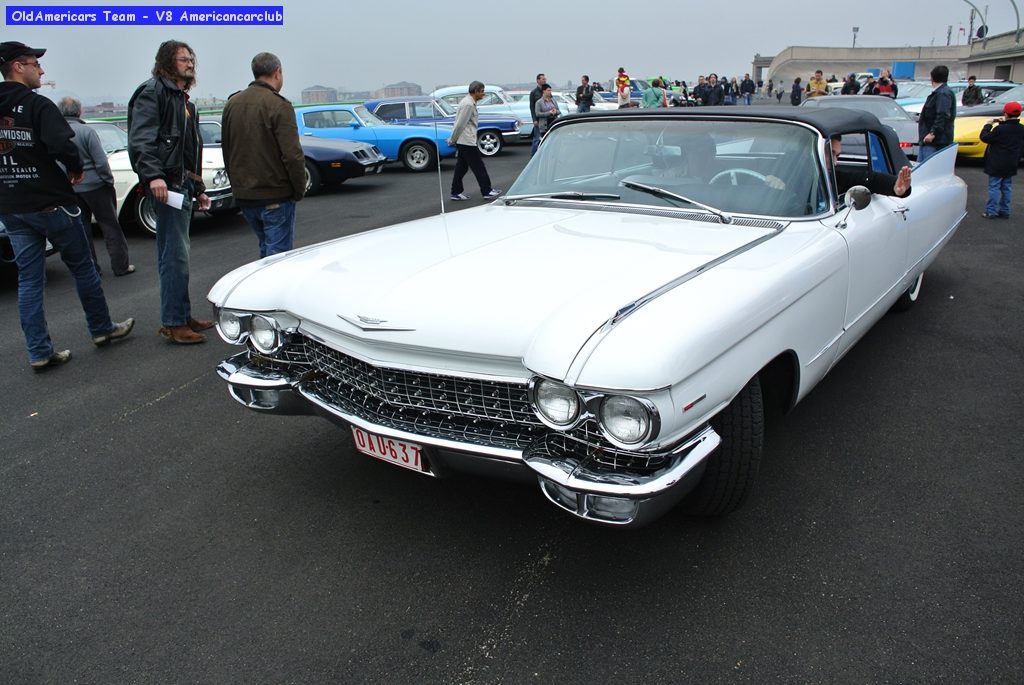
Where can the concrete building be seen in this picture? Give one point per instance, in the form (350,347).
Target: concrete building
(399,90)
(317,94)
(802,61)
(997,57)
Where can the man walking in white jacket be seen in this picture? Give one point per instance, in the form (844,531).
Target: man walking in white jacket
(464,139)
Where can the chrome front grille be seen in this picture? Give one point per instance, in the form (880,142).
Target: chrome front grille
(586,444)
(473,411)
(464,410)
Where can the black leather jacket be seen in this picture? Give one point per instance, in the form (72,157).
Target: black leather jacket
(156,135)
(937,116)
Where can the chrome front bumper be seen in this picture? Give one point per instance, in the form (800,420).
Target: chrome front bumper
(610,498)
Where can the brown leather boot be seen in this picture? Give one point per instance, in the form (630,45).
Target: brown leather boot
(183,335)
(200,324)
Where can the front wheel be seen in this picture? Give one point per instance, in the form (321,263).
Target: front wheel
(731,469)
(144,213)
(489,143)
(417,155)
(909,297)
(313,181)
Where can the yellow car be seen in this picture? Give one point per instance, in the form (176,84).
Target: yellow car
(970,120)
(967,133)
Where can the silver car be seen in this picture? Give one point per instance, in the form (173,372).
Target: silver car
(887,111)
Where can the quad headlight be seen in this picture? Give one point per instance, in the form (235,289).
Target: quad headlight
(231,326)
(626,419)
(628,422)
(556,403)
(264,334)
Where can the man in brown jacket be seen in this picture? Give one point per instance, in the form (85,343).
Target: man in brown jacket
(263,157)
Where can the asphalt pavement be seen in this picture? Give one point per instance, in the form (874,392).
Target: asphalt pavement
(154,531)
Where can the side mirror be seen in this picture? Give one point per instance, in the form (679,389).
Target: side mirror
(355,124)
(858,197)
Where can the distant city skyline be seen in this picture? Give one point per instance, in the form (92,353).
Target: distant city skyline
(356,47)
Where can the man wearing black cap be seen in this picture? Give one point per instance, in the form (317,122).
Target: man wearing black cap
(37,203)
(166,153)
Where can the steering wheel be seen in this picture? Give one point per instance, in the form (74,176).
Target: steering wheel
(733,173)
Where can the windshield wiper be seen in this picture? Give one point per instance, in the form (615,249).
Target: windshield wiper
(566,195)
(661,192)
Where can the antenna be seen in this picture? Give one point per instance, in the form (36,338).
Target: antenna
(440,185)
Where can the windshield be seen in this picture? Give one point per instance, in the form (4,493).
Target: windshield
(881,107)
(367,117)
(112,138)
(749,167)
(1015,94)
(448,110)
(209,131)
(914,89)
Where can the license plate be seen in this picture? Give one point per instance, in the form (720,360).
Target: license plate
(398,452)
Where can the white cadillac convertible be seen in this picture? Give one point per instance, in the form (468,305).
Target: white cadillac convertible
(613,327)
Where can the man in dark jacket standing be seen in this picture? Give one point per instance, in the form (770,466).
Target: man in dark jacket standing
(535,95)
(37,203)
(165,151)
(935,127)
(714,93)
(1002,156)
(263,156)
(747,89)
(972,94)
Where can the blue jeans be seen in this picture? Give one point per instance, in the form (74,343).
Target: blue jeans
(925,151)
(172,254)
(999,190)
(582,108)
(747,98)
(535,140)
(274,226)
(28,234)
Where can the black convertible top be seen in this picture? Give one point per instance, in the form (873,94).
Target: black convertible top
(829,121)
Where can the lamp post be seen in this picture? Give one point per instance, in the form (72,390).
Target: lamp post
(1017,13)
(855,30)
(984,21)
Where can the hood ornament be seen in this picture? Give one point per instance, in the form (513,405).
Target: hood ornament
(370,323)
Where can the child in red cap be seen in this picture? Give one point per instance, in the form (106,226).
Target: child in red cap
(1005,139)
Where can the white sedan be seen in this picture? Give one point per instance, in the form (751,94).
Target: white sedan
(133,206)
(614,327)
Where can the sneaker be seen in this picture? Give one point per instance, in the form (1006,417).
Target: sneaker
(126,272)
(986,215)
(1004,216)
(119,330)
(55,359)
(495,192)
(460,197)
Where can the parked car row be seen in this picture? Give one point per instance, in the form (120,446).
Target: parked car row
(493,131)
(328,162)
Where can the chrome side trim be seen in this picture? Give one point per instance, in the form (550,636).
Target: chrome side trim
(576,367)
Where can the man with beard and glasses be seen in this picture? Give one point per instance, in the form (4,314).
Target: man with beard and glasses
(166,152)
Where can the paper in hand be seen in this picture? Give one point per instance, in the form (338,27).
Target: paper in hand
(175,199)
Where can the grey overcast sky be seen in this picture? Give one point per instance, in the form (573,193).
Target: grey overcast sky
(366,45)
